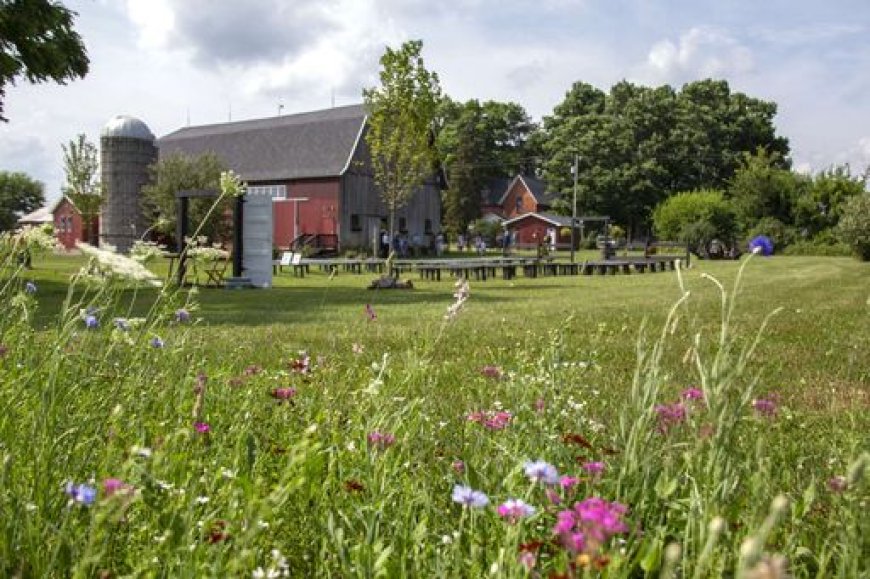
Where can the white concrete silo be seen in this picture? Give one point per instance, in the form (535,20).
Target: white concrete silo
(127,149)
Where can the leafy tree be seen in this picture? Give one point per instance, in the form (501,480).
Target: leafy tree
(81,165)
(480,142)
(401,116)
(854,225)
(180,172)
(19,195)
(639,145)
(38,43)
(820,205)
(761,188)
(695,218)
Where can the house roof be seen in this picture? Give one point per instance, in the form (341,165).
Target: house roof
(44,214)
(305,145)
(552,218)
(494,190)
(535,186)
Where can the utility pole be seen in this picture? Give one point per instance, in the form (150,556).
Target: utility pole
(575,170)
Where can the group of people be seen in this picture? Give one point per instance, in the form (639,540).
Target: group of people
(418,246)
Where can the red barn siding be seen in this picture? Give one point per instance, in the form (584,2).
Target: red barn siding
(318,214)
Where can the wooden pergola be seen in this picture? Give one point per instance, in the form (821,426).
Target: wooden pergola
(183,222)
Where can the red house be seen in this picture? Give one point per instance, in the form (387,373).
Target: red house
(68,223)
(525,194)
(316,166)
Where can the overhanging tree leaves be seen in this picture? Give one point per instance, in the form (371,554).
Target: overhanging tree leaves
(81,165)
(38,43)
(19,194)
(401,112)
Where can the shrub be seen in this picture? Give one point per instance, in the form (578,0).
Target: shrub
(695,217)
(854,226)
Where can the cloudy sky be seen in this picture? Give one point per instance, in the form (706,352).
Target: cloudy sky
(208,61)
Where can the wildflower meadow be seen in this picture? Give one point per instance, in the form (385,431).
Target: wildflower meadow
(711,422)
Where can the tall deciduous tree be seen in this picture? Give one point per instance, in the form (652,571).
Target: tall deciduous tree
(38,43)
(19,194)
(81,165)
(400,126)
(180,172)
(479,142)
(639,145)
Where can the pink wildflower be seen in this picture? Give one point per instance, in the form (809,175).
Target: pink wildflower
(527,559)
(490,419)
(515,509)
(594,467)
(491,371)
(458,466)
(670,415)
(202,427)
(381,440)
(282,394)
(764,407)
(540,405)
(370,313)
(553,496)
(568,482)
(692,393)
(837,484)
(590,524)
(112,486)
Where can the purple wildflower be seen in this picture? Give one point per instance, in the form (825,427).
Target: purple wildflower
(283,393)
(764,407)
(692,393)
(122,324)
(541,471)
(837,484)
(468,497)
(381,440)
(594,467)
(182,316)
(82,494)
(553,496)
(30,288)
(202,427)
(761,244)
(670,415)
(492,420)
(515,509)
(568,482)
(156,342)
(91,322)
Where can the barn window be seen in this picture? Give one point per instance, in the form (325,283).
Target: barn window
(355,222)
(277,192)
(427,227)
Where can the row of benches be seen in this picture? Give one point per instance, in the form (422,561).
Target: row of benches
(487,268)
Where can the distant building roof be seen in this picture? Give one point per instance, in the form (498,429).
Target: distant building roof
(557,220)
(494,190)
(44,214)
(127,127)
(305,145)
(535,186)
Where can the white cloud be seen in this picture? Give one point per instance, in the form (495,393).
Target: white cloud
(701,52)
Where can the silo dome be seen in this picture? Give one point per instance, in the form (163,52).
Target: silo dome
(128,127)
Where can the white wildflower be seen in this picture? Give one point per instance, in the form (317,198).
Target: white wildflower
(112,263)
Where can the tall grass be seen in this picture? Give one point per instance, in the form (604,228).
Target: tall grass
(342,462)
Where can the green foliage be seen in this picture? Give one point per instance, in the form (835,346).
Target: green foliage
(19,195)
(179,172)
(820,206)
(854,226)
(81,165)
(401,113)
(819,247)
(479,142)
(38,43)
(695,218)
(781,234)
(762,190)
(639,145)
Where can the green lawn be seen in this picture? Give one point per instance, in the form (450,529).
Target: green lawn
(302,480)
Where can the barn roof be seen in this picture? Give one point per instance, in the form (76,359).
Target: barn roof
(305,145)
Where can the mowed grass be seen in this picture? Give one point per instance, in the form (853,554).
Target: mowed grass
(297,476)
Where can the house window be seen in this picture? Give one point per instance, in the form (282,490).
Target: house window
(427,227)
(355,222)
(403,225)
(276,192)
(519,203)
